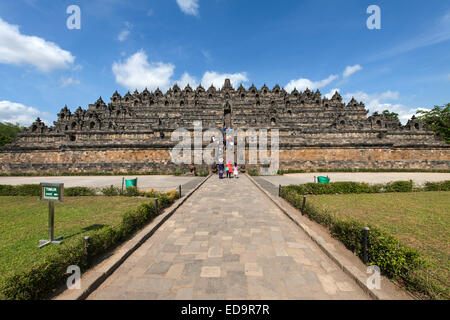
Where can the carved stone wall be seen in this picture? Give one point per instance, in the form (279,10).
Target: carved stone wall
(133,133)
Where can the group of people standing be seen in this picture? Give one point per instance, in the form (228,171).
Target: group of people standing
(228,168)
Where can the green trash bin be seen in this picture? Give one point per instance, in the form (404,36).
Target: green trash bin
(323,179)
(131,183)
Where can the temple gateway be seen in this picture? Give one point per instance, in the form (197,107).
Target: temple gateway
(133,133)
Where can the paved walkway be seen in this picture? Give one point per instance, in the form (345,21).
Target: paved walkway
(228,241)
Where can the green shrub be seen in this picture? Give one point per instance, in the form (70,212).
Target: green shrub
(131,192)
(399,186)
(41,279)
(351,187)
(79,191)
(438,186)
(203,173)
(178,172)
(7,190)
(253,172)
(111,191)
(28,190)
(334,188)
(20,190)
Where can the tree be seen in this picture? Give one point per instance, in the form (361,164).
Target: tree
(437,120)
(387,113)
(8,132)
(391,115)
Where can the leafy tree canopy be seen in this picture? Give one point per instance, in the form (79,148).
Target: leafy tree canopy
(8,132)
(387,113)
(437,120)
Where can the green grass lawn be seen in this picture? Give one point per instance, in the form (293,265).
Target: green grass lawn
(24,221)
(419,219)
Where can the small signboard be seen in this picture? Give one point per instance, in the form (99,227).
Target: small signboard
(52,192)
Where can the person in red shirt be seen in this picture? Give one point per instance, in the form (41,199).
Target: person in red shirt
(230,169)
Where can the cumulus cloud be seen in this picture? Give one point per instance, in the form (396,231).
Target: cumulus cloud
(381,101)
(137,73)
(18,113)
(302,84)
(19,49)
(218,79)
(189,6)
(351,70)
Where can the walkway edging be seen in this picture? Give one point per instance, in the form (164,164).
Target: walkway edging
(94,278)
(358,276)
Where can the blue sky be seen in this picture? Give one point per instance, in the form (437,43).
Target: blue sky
(123,45)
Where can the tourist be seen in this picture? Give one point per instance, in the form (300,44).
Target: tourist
(229,169)
(221,167)
(236,170)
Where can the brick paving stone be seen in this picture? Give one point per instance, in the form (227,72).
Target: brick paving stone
(214,248)
(210,272)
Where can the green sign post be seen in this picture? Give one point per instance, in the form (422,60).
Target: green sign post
(51,193)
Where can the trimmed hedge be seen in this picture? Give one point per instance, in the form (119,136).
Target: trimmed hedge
(394,258)
(41,279)
(361,187)
(399,186)
(20,190)
(35,191)
(79,191)
(437,186)
(286,171)
(333,188)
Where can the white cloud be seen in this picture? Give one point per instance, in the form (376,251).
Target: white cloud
(137,73)
(123,35)
(302,84)
(218,79)
(377,102)
(18,113)
(351,70)
(19,49)
(68,81)
(189,6)
(186,79)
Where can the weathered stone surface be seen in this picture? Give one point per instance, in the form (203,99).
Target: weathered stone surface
(133,133)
